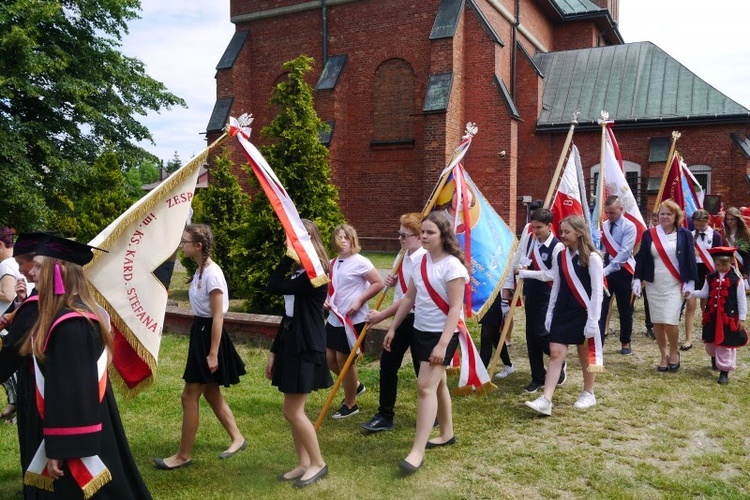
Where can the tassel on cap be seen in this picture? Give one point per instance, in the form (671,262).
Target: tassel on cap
(59,285)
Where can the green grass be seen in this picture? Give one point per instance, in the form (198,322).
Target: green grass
(652,435)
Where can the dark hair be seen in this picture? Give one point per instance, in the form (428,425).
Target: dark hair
(700,214)
(611,199)
(6,236)
(450,243)
(542,215)
(535,205)
(201,234)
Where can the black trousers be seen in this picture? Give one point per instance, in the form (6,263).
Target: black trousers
(489,338)
(537,337)
(620,288)
(390,362)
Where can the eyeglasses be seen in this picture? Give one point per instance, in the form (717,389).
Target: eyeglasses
(403,236)
(182,242)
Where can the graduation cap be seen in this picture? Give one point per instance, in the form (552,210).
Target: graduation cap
(28,242)
(65,249)
(717,252)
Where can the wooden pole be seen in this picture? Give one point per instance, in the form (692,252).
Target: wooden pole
(492,369)
(602,169)
(675,135)
(471,130)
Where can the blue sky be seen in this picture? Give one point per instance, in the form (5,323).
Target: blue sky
(181,47)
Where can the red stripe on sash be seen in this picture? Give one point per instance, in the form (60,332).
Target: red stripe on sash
(707,261)
(401,280)
(71,431)
(663,254)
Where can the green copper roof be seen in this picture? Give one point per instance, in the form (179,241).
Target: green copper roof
(575,7)
(635,82)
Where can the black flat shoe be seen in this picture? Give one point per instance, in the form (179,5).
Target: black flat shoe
(301,483)
(229,454)
(673,367)
(662,369)
(161,465)
(430,445)
(408,468)
(282,478)
(686,347)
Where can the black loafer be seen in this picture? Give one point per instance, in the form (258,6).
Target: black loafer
(408,468)
(161,465)
(430,445)
(301,483)
(662,369)
(673,367)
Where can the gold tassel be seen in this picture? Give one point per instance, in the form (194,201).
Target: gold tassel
(319,281)
(292,254)
(462,391)
(596,369)
(96,484)
(39,481)
(486,388)
(453,370)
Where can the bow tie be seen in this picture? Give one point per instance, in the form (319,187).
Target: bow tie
(703,236)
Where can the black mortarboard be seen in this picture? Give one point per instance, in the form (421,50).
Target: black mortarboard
(28,243)
(67,250)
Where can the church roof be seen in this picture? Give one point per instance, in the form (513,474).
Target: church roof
(637,83)
(576,7)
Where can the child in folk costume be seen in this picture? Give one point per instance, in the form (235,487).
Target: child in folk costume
(705,238)
(725,313)
(436,291)
(297,362)
(354,281)
(81,451)
(212,359)
(573,312)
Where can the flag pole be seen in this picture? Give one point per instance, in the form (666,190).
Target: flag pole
(670,158)
(602,169)
(492,369)
(471,130)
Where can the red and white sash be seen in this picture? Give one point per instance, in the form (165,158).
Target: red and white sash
(669,259)
(614,248)
(704,256)
(90,473)
(473,376)
(536,260)
(351,333)
(401,279)
(596,351)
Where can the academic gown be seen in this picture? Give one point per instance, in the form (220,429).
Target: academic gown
(72,402)
(29,426)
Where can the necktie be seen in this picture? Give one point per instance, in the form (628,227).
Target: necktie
(703,236)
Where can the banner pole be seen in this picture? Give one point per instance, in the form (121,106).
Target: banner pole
(670,158)
(471,130)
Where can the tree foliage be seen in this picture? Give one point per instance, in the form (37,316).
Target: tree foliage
(224,207)
(300,162)
(66,95)
(103,198)
(146,172)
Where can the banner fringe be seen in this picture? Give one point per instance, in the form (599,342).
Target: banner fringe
(596,369)
(96,483)
(39,481)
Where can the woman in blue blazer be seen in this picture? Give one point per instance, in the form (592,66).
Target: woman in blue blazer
(665,265)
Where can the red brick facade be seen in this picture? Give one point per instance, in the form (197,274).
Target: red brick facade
(386,153)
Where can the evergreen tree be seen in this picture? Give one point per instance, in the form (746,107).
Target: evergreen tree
(174,164)
(223,206)
(104,197)
(300,162)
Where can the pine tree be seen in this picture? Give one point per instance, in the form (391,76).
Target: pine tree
(300,162)
(104,197)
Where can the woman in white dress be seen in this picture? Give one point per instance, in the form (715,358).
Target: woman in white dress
(665,265)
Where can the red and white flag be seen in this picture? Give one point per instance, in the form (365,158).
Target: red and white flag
(282,204)
(673,185)
(568,199)
(616,184)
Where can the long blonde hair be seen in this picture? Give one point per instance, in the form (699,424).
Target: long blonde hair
(585,243)
(77,297)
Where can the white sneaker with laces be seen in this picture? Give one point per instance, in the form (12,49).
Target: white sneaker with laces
(542,405)
(506,370)
(587,400)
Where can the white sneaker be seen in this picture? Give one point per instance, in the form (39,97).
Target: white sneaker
(542,405)
(587,400)
(507,370)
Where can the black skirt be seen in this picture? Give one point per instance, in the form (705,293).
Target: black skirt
(336,337)
(231,366)
(295,372)
(425,342)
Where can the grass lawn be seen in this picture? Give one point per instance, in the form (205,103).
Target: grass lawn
(652,435)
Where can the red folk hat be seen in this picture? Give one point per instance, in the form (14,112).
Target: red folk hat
(722,251)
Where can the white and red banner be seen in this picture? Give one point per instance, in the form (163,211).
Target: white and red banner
(139,242)
(569,197)
(616,184)
(282,204)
